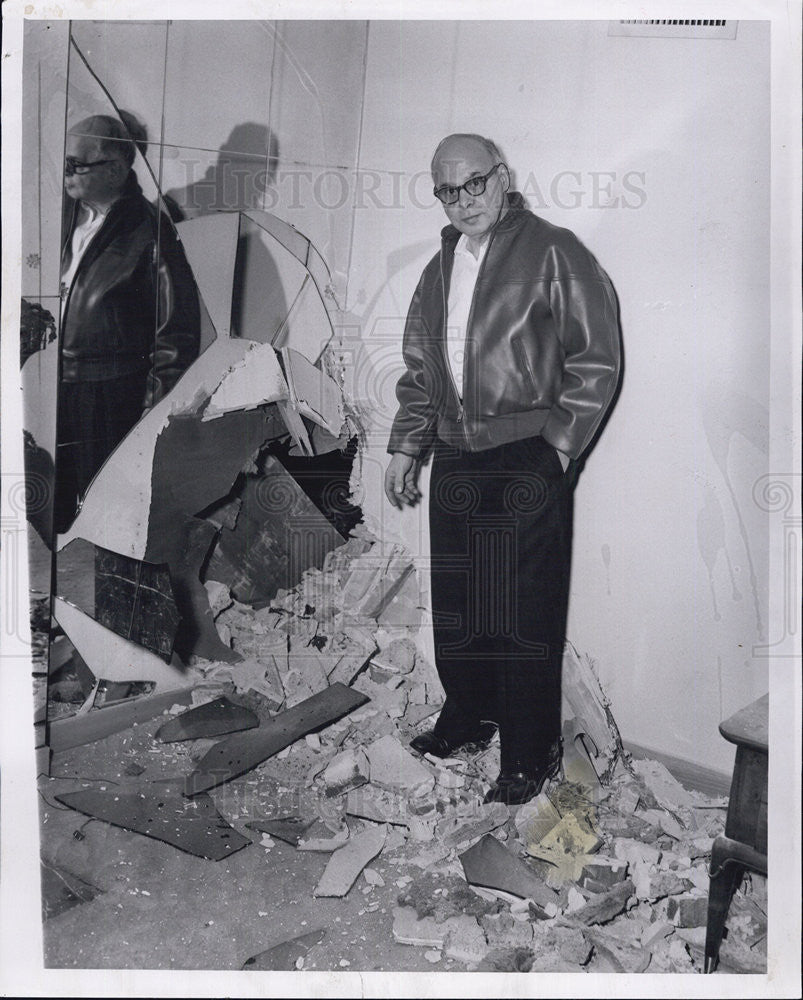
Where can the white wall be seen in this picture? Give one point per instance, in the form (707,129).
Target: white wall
(670,575)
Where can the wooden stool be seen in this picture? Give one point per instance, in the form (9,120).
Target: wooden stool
(744,845)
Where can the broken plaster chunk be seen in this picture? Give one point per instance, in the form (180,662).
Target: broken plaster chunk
(423,932)
(394,702)
(604,871)
(667,884)
(633,851)
(536,818)
(347,770)
(450,779)
(459,830)
(614,955)
(398,657)
(604,908)
(394,768)
(656,933)
(667,790)
(317,838)
(376,804)
(219,596)
(372,877)
(502,930)
(688,911)
(465,940)
(346,863)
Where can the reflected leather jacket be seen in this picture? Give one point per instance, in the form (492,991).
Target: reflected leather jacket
(542,346)
(133,305)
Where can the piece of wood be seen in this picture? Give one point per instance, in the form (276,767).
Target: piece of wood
(490,864)
(215,718)
(347,862)
(283,957)
(193,826)
(135,600)
(244,751)
(98,723)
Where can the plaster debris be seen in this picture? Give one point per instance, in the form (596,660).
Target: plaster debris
(455,830)
(346,863)
(490,864)
(605,907)
(347,770)
(394,768)
(465,940)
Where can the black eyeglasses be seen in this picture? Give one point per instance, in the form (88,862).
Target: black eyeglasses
(474,186)
(73,166)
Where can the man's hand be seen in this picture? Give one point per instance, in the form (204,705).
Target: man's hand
(401,480)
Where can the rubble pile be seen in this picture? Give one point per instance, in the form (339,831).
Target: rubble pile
(605,871)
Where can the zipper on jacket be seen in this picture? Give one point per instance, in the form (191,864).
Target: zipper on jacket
(460,410)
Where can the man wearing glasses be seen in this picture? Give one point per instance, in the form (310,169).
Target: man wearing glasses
(130,317)
(512,358)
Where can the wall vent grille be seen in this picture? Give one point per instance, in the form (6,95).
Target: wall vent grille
(674,29)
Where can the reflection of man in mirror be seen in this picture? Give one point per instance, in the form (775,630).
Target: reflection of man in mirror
(130,320)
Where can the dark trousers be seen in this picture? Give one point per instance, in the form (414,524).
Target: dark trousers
(93,418)
(501,529)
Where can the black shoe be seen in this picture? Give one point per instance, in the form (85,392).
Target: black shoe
(517,784)
(428,742)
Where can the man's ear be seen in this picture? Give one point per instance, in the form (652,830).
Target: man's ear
(119,171)
(503,170)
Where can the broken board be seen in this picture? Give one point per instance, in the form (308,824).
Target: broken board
(348,861)
(282,957)
(493,866)
(135,600)
(195,827)
(215,718)
(244,751)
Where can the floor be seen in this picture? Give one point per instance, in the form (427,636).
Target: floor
(158,907)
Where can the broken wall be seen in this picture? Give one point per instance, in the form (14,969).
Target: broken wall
(217,165)
(672,598)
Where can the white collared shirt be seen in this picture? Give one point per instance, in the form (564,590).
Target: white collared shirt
(89,222)
(461,291)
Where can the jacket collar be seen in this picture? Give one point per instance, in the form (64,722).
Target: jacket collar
(130,195)
(511,220)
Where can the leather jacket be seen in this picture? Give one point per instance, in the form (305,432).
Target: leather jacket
(133,305)
(542,346)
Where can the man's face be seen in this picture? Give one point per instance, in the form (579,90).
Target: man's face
(473,215)
(100,185)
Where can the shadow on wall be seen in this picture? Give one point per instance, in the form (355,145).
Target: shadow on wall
(245,168)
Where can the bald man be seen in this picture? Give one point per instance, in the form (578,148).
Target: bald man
(130,317)
(512,355)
